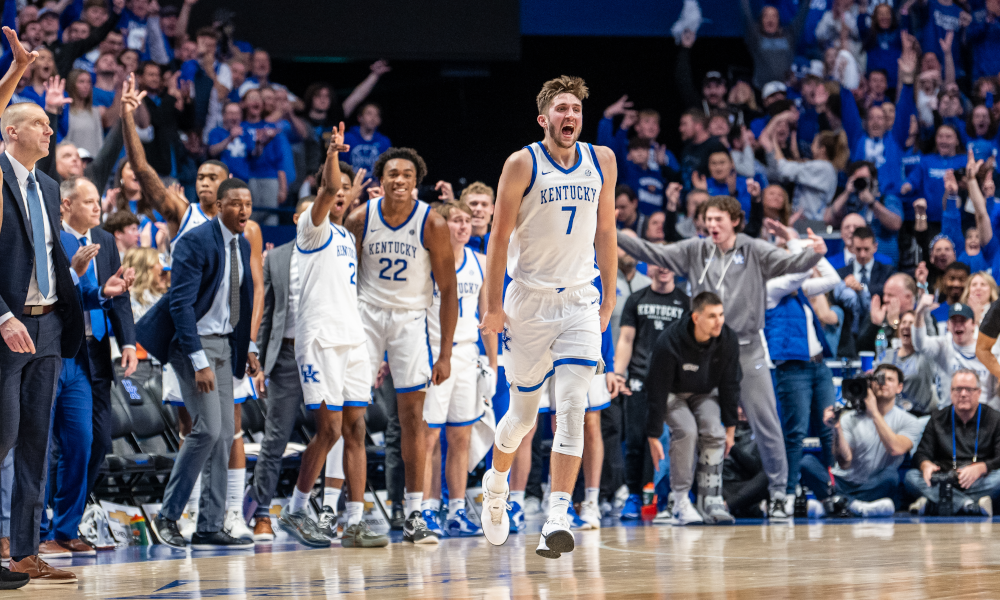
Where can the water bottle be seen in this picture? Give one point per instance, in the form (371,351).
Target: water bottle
(881,344)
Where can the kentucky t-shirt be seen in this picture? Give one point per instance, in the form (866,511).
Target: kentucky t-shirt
(650,313)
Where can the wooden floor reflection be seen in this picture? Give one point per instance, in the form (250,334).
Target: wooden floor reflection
(814,561)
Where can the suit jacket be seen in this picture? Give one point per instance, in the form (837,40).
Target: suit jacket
(880,273)
(19,257)
(277,286)
(837,259)
(195,278)
(90,300)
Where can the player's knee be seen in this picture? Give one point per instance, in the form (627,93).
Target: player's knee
(511,430)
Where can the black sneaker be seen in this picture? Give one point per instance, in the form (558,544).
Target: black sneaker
(398,517)
(220,540)
(327,524)
(302,528)
(167,532)
(776,511)
(415,530)
(12,581)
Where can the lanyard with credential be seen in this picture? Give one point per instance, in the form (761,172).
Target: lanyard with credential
(975,453)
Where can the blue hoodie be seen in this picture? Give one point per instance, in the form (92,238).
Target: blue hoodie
(885,152)
(886,50)
(984,39)
(364,152)
(928,181)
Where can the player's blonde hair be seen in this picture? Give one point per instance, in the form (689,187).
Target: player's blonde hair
(564,84)
(447,208)
(477,187)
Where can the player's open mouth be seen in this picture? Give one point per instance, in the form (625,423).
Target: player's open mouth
(567,130)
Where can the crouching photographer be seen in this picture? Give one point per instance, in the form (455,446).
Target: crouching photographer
(871,437)
(959,454)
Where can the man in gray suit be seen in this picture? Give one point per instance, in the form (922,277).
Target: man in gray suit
(276,341)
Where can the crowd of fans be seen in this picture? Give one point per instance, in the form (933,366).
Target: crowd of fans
(871,124)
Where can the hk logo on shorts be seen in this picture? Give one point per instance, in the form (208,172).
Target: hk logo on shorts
(505,340)
(133,392)
(309,374)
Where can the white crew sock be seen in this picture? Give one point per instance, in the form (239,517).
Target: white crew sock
(331,498)
(558,504)
(234,488)
(299,501)
(591,494)
(517,497)
(411,502)
(496,481)
(433,505)
(355,510)
(454,506)
(192,503)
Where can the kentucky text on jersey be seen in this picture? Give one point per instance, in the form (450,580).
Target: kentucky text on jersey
(660,311)
(391,247)
(347,251)
(569,192)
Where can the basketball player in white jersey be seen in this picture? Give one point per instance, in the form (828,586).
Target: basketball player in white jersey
(401,241)
(332,357)
(554,218)
(456,404)
(181,217)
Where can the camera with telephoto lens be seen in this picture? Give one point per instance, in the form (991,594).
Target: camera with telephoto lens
(855,390)
(946,482)
(861,184)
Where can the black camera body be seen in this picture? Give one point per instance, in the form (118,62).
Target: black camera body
(855,389)
(861,184)
(946,482)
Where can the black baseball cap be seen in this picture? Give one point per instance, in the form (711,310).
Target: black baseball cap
(713,76)
(961,310)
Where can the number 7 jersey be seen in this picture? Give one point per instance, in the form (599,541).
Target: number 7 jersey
(552,245)
(395,265)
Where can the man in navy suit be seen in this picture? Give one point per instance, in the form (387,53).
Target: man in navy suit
(80,197)
(202,327)
(864,274)
(83,403)
(40,321)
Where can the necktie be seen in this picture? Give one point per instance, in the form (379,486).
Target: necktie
(38,237)
(864,275)
(97,326)
(234,284)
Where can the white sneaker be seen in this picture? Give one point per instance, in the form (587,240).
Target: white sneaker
(556,538)
(664,517)
(684,512)
(871,510)
(986,506)
(590,514)
(496,522)
(235,526)
(919,507)
(815,509)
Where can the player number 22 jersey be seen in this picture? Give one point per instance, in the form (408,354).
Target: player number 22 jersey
(395,265)
(553,241)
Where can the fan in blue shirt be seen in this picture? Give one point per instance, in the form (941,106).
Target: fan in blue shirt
(983,37)
(635,172)
(722,180)
(980,133)
(927,179)
(881,38)
(365,140)
(873,145)
(230,143)
(944,16)
(646,124)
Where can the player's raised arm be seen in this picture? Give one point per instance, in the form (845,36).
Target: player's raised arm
(443,268)
(327,194)
(605,239)
(514,181)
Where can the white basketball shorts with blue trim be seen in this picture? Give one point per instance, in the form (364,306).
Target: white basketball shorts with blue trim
(336,375)
(402,334)
(548,328)
(598,398)
(456,402)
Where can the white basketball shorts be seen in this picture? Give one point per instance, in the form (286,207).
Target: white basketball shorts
(336,375)
(402,334)
(456,402)
(598,398)
(548,328)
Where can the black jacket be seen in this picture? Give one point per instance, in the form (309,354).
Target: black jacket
(935,445)
(680,365)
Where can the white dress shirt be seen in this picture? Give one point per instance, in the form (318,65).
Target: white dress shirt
(858,268)
(216,320)
(34,296)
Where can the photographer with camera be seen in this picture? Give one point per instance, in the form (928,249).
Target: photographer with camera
(882,213)
(871,436)
(960,446)
(954,350)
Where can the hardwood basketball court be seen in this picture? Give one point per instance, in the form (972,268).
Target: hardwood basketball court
(906,558)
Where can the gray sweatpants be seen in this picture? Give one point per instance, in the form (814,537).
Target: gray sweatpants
(284,399)
(695,420)
(761,408)
(206,448)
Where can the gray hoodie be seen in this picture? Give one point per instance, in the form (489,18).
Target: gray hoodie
(738,277)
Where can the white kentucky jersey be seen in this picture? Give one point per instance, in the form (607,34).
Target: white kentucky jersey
(193,217)
(470,282)
(395,265)
(553,241)
(327,311)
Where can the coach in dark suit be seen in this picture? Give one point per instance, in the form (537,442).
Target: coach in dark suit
(41,322)
(276,339)
(202,327)
(864,271)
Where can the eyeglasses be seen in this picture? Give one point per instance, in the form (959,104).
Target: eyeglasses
(964,390)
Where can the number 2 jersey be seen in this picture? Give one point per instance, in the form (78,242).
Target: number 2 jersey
(327,310)
(553,241)
(395,265)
